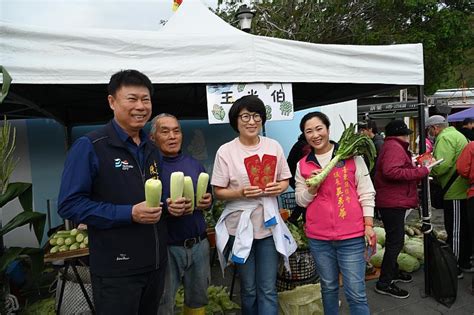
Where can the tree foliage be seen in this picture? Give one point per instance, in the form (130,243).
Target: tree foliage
(444,27)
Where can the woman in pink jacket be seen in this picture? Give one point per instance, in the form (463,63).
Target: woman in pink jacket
(339,214)
(396,179)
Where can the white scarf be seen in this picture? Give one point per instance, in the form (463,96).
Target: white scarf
(284,242)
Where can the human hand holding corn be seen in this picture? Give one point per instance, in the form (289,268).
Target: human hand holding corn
(146,215)
(178,207)
(205,202)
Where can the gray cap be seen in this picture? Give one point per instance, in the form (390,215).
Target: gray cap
(435,120)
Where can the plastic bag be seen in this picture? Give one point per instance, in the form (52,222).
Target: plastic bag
(303,300)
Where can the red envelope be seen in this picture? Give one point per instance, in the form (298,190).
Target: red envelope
(262,172)
(253,166)
(424,159)
(268,169)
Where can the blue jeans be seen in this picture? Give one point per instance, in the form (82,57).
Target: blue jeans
(258,276)
(190,267)
(347,257)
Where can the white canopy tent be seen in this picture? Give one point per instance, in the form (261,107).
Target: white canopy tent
(62,73)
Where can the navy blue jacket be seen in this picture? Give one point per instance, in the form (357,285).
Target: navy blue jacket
(103,200)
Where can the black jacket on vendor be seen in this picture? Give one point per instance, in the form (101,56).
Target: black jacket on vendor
(132,248)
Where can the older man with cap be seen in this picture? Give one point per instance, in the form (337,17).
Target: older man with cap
(449,144)
(396,176)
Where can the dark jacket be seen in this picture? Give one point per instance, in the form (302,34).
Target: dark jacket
(131,248)
(396,177)
(299,149)
(378,142)
(468,133)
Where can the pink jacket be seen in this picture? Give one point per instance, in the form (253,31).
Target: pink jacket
(335,212)
(396,177)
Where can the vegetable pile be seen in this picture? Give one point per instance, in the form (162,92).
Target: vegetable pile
(350,144)
(182,186)
(412,255)
(63,241)
(219,300)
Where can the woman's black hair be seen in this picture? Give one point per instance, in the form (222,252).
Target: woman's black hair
(251,103)
(319,115)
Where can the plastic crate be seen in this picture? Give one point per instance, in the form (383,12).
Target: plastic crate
(288,200)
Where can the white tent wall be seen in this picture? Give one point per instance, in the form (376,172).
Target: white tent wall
(196,46)
(62,73)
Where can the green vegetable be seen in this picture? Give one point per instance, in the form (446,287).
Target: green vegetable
(82,245)
(41,307)
(380,232)
(202,183)
(70,240)
(74,232)
(153,190)
(60,241)
(379,247)
(414,248)
(188,190)
(63,234)
(86,240)
(74,246)
(54,249)
(53,241)
(350,144)
(297,231)
(176,185)
(376,259)
(63,248)
(407,262)
(80,237)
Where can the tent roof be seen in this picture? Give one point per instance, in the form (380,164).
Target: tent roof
(62,73)
(460,116)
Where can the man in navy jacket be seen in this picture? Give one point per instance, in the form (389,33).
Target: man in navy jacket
(103,186)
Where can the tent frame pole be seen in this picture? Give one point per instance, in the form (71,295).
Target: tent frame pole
(425,211)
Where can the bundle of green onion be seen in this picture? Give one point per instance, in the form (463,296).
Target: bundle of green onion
(350,144)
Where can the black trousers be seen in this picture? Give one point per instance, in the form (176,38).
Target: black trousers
(457,227)
(129,295)
(394,223)
(470,218)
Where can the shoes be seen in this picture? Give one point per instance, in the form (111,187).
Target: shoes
(403,277)
(393,291)
(469,269)
(460,273)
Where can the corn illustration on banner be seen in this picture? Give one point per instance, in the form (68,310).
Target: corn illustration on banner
(277,97)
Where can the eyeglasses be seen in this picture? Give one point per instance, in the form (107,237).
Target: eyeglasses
(246,117)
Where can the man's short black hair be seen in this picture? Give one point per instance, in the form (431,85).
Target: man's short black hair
(251,103)
(129,78)
(467,121)
(368,124)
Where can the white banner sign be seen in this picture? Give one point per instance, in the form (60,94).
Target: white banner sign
(277,97)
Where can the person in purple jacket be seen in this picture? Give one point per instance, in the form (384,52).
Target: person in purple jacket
(396,180)
(188,247)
